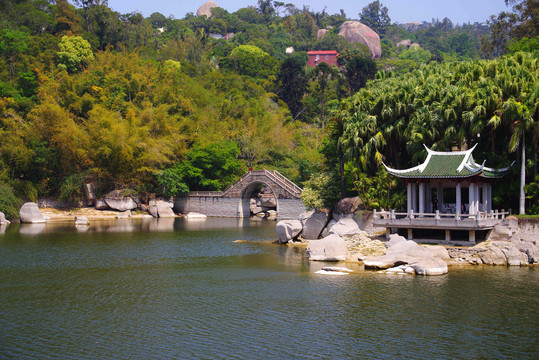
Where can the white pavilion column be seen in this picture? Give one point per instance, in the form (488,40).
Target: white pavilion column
(421,198)
(486,200)
(414,197)
(471,199)
(489,197)
(409,197)
(458,200)
(477,198)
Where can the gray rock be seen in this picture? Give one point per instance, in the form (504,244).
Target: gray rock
(313,222)
(100,204)
(81,220)
(288,230)
(354,31)
(205,9)
(331,248)
(328,227)
(345,226)
(256,209)
(433,266)
(272,214)
(164,209)
(116,201)
(30,214)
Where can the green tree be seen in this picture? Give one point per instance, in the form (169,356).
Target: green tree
(375,15)
(292,82)
(252,61)
(75,53)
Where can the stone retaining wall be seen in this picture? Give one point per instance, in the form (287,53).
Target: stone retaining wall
(228,206)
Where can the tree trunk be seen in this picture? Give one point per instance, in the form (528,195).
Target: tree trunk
(341,170)
(522,209)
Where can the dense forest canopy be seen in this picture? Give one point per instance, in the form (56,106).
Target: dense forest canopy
(164,106)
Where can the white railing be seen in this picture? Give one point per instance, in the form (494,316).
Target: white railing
(457,216)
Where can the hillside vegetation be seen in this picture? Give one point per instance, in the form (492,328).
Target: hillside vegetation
(164,106)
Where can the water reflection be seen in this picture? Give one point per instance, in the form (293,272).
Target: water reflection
(32,229)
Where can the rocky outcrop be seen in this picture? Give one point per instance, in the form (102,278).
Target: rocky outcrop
(152,208)
(407,252)
(288,230)
(313,222)
(354,31)
(331,248)
(30,214)
(116,201)
(205,9)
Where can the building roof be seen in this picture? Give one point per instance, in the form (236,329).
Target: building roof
(443,165)
(322,52)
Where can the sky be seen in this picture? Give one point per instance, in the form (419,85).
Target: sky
(401,11)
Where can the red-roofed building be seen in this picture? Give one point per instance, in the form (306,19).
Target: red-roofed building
(318,56)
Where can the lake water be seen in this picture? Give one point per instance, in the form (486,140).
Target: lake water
(178,289)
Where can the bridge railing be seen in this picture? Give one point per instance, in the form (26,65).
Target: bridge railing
(294,189)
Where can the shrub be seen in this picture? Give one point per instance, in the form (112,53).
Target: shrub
(10,204)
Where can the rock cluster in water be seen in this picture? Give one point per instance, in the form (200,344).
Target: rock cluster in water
(338,236)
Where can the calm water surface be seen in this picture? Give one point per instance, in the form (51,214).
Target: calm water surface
(178,289)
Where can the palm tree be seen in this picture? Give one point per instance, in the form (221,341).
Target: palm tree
(521,123)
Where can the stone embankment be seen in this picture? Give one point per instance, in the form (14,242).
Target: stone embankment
(347,234)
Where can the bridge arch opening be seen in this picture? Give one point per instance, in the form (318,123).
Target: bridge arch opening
(252,191)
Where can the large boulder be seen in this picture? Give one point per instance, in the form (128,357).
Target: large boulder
(321,34)
(30,214)
(100,204)
(89,194)
(354,31)
(331,248)
(432,266)
(531,251)
(3,221)
(344,227)
(164,209)
(115,200)
(268,202)
(313,222)
(152,208)
(205,9)
(491,254)
(288,230)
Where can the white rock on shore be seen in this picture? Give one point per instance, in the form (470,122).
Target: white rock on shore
(30,214)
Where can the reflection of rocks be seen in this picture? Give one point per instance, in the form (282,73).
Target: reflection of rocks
(30,214)
(162,224)
(82,228)
(32,229)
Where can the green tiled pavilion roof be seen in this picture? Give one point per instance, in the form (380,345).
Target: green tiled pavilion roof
(457,164)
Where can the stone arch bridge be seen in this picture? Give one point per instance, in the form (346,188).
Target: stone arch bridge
(235,200)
